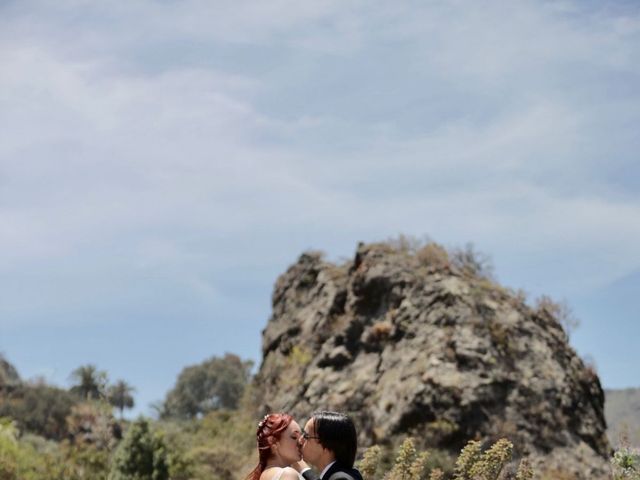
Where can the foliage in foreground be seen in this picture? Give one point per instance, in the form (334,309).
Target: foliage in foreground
(626,464)
(472,464)
(221,446)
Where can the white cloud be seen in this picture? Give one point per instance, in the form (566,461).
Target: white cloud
(120,159)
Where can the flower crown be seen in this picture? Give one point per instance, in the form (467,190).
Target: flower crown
(262,422)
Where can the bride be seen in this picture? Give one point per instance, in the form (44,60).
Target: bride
(278,435)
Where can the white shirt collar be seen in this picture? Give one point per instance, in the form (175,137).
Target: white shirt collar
(326,469)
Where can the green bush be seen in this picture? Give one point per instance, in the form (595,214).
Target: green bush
(38,408)
(142,455)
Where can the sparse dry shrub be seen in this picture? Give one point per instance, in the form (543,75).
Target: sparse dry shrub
(468,457)
(436,474)
(404,460)
(520,296)
(380,331)
(561,311)
(525,472)
(93,423)
(368,466)
(419,466)
(336,272)
(433,255)
(406,243)
(472,464)
(299,356)
(472,262)
(590,369)
(295,363)
(492,461)
(409,464)
(626,464)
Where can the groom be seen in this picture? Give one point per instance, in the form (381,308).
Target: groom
(329,443)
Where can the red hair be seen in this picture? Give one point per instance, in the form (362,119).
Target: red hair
(269,431)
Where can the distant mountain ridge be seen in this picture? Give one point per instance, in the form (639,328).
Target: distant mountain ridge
(622,411)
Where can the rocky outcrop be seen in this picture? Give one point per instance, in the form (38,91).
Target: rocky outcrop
(411,344)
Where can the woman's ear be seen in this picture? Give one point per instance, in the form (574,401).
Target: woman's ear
(274,448)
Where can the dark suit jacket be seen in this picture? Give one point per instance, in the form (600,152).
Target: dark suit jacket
(336,467)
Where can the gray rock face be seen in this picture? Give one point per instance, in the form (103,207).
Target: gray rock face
(410,345)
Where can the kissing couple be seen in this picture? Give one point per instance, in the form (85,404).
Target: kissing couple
(328,443)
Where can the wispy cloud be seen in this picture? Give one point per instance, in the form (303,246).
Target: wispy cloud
(157,131)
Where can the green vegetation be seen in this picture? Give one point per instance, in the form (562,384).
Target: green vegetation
(626,464)
(50,433)
(141,455)
(90,383)
(38,408)
(221,445)
(217,383)
(8,374)
(120,396)
(472,464)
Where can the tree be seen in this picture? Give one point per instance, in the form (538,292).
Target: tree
(38,408)
(90,383)
(217,383)
(142,455)
(9,377)
(120,396)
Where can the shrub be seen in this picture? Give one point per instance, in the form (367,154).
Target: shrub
(489,466)
(626,464)
(472,262)
(525,472)
(402,469)
(93,423)
(38,408)
(560,311)
(380,331)
(141,455)
(406,243)
(433,255)
(468,457)
(370,462)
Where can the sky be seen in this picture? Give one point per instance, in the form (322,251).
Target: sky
(162,162)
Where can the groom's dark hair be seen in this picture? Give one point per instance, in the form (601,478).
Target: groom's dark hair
(336,432)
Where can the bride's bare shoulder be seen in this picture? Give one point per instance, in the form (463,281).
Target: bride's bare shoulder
(289,474)
(277,473)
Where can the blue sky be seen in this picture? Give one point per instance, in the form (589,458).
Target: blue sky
(161,162)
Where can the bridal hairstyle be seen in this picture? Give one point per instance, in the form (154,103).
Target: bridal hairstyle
(269,431)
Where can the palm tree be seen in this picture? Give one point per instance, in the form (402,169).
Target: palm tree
(89,382)
(119,395)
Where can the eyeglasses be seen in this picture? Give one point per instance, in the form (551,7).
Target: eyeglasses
(306,436)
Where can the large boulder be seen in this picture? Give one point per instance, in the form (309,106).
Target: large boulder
(410,343)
